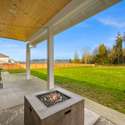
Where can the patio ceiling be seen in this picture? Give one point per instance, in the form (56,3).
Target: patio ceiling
(19,19)
(27,20)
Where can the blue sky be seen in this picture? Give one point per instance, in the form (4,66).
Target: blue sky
(101,28)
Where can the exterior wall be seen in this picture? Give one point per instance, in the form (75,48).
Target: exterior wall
(4,60)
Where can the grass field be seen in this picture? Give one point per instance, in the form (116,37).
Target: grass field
(105,85)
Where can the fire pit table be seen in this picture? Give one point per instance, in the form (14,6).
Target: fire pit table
(54,107)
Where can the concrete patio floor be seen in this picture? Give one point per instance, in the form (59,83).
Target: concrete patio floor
(12,99)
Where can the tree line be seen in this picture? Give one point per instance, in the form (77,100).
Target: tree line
(104,55)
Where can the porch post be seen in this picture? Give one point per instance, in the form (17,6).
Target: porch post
(27,61)
(50,59)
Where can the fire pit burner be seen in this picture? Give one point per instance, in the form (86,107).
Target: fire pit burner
(52,98)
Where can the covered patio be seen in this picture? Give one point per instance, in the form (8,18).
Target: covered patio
(33,22)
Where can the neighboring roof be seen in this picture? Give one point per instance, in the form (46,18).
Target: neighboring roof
(3,55)
(19,19)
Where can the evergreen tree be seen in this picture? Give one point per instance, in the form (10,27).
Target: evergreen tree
(101,57)
(76,58)
(112,56)
(102,51)
(118,48)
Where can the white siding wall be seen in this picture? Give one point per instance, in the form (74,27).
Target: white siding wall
(4,60)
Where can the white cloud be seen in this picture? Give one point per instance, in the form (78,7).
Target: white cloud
(112,22)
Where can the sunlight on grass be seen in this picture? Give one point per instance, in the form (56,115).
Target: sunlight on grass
(101,84)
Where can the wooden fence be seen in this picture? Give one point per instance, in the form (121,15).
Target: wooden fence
(39,66)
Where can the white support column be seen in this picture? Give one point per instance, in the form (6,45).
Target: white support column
(27,61)
(50,60)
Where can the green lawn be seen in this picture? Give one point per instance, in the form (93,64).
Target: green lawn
(105,85)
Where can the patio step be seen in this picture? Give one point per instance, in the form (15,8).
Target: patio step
(90,117)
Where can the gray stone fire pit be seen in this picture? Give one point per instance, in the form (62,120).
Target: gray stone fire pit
(54,107)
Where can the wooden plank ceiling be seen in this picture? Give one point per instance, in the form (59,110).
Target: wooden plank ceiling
(19,19)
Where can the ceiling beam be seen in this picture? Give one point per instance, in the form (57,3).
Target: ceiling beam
(75,12)
(65,11)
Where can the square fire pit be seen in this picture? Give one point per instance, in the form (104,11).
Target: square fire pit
(54,107)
